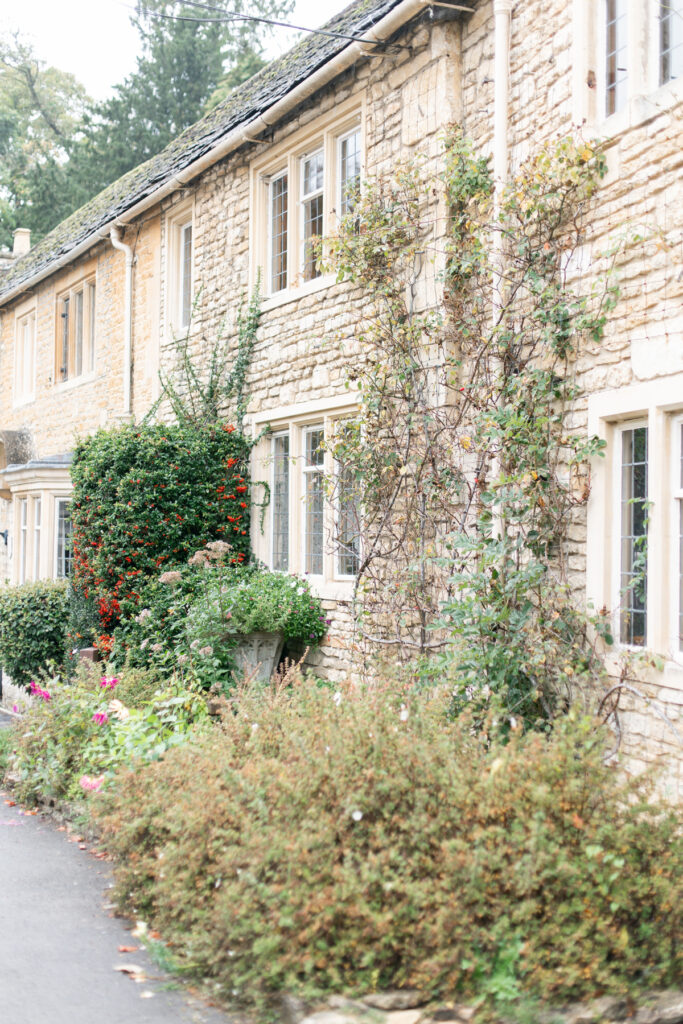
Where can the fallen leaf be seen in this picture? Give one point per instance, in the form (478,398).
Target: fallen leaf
(82,846)
(30,812)
(128,949)
(11,803)
(129,969)
(154,935)
(147,994)
(61,828)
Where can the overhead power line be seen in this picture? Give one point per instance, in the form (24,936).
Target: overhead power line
(226,16)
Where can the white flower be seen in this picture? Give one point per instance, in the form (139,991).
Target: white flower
(469,692)
(118,710)
(254,727)
(357,815)
(300,590)
(337,698)
(486,691)
(513,722)
(403,713)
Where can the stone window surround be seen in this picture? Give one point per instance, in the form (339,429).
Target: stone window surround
(22,313)
(659,405)
(50,485)
(177,218)
(295,419)
(646,97)
(80,277)
(323,132)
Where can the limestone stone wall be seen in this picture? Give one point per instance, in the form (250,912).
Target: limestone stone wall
(640,209)
(62,412)
(307,344)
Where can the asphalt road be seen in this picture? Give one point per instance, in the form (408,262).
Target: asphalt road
(59,942)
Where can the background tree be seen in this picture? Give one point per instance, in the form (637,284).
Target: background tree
(41,116)
(59,148)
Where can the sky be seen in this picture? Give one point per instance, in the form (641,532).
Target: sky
(94,40)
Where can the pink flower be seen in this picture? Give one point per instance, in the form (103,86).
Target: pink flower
(15,709)
(101,717)
(38,692)
(92,784)
(109,681)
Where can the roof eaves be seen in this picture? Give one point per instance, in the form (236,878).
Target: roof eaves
(149,182)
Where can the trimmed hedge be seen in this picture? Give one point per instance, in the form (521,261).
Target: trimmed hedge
(33,628)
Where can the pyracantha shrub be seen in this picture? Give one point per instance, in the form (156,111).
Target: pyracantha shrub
(146,497)
(33,628)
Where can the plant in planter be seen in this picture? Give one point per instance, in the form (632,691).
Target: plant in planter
(252,613)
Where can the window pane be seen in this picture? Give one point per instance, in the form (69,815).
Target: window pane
(315,455)
(63,540)
(186,275)
(278,233)
(313,173)
(281,502)
(616,55)
(349,172)
(348,523)
(670,40)
(90,361)
(23,538)
(313,229)
(312,209)
(37,515)
(78,343)
(64,366)
(314,501)
(314,523)
(634,516)
(24,376)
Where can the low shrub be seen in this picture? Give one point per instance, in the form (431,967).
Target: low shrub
(75,736)
(33,628)
(322,842)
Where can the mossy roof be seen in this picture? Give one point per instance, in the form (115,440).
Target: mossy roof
(246,102)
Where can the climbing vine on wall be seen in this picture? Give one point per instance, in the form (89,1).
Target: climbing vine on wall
(468,472)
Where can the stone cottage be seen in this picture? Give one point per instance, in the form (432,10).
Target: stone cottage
(90,314)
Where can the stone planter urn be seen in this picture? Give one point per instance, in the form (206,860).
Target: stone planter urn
(88,654)
(258,654)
